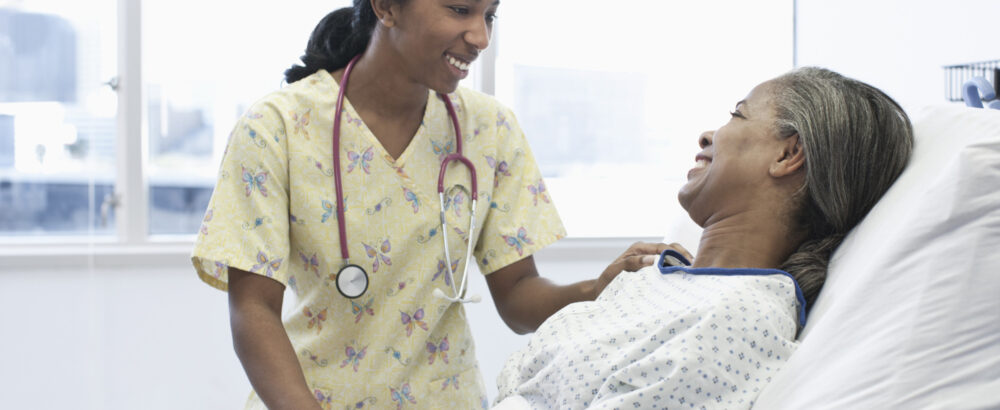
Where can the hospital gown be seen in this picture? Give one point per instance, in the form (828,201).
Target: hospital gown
(688,338)
(273,213)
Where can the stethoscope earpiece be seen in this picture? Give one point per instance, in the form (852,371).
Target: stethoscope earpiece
(475,298)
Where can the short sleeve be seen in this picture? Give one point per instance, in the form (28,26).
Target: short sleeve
(530,221)
(252,186)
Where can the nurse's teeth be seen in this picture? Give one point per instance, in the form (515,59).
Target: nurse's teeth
(458,64)
(701,163)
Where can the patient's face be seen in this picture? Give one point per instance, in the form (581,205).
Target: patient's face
(733,164)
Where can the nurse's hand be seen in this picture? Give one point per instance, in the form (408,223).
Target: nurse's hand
(637,256)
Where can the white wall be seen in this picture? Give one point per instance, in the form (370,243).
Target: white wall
(115,338)
(143,332)
(899,46)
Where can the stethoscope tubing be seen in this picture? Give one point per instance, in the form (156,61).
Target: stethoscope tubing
(338,183)
(468,250)
(456,156)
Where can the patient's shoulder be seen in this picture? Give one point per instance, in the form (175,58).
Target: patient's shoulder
(729,299)
(765,302)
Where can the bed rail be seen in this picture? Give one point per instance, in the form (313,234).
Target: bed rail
(956,76)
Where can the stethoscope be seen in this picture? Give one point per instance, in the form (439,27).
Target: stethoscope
(352,280)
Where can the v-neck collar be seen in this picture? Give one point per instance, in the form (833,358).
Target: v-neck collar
(430,108)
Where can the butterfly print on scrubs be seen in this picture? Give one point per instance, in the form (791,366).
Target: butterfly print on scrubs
(410,320)
(301,121)
(254,181)
(359,310)
(205,221)
(315,320)
(538,192)
(310,263)
(361,160)
(518,241)
(271,264)
(437,350)
(354,357)
(380,254)
(442,270)
(500,169)
(402,395)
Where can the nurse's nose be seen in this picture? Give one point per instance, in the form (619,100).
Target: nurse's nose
(706,139)
(478,34)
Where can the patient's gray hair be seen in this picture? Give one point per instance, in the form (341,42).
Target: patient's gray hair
(857,140)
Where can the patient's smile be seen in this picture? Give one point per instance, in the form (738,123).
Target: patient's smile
(701,161)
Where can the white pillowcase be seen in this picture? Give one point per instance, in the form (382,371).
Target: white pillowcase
(909,317)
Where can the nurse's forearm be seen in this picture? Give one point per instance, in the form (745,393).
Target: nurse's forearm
(537,298)
(262,345)
(524,299)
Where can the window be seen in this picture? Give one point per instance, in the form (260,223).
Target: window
(57,117)
(199,80)
(612,100)
(613,97)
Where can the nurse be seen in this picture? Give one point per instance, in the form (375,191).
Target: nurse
(292,207)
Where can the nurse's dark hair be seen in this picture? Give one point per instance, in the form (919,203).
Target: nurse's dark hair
(339,36)
(857,140)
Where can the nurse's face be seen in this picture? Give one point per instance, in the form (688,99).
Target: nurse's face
(439,39)
(734,161)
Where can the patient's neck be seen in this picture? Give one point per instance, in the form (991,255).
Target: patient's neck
(747,240)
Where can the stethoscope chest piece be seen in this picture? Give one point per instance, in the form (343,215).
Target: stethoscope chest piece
(352,281)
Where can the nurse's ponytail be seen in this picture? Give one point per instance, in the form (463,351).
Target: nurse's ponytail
(341,35)
(857,141)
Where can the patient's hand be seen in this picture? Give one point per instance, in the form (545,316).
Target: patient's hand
(637,256)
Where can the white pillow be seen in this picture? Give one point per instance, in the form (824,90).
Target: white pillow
(909,317)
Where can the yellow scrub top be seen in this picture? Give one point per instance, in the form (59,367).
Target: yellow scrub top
(273,213)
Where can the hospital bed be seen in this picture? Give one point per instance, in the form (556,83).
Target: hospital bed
(909,317)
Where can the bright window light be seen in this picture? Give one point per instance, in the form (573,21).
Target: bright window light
(613,98)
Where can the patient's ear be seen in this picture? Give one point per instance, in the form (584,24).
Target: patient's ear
(792,158)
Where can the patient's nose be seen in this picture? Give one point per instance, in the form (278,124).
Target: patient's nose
(705,139)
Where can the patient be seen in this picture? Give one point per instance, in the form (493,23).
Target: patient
(802,160)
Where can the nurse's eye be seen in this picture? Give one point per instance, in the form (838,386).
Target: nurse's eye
(459,10)
(490,18)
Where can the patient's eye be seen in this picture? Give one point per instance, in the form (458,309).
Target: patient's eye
(737,114)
